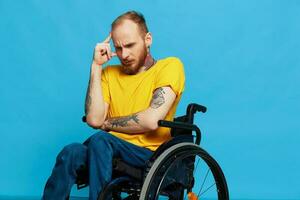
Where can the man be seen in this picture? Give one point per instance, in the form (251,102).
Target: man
(125,102)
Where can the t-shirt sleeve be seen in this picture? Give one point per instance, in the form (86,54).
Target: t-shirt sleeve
(171,74)
(105,85)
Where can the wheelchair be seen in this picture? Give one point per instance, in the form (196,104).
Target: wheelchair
(179,169)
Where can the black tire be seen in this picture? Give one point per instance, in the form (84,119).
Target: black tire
(161,175)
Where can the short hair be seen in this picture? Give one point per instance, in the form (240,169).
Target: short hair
(135,17)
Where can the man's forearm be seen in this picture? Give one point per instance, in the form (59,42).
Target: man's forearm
(145,120)
(136,123)
(94,103)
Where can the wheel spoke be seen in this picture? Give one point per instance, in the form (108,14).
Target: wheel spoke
(196,166)
(204,181)
(206,190)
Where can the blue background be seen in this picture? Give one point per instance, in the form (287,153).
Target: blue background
(241,61)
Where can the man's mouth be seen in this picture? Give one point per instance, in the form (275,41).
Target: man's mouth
(127,62)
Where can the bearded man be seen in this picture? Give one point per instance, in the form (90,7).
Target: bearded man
(125,102)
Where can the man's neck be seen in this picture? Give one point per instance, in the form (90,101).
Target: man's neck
(149,62)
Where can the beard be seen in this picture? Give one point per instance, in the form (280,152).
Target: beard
(132,67)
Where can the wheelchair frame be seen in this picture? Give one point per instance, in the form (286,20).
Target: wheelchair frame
(142,183)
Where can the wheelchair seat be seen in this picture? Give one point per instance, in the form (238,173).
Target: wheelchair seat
(170,172)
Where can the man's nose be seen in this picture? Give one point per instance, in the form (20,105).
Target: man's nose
(125,54)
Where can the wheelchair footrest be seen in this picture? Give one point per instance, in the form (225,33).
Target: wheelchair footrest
(82,177)
(124,168)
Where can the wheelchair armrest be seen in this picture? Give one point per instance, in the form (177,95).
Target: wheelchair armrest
(182,125)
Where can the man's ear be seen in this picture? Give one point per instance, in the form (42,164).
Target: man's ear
(148,39)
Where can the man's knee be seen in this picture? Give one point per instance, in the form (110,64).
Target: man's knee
(69,152)
(100,141)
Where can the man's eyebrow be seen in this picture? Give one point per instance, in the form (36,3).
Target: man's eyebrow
(126,45)
(129,44)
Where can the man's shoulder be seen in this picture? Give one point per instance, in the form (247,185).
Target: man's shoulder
(112,69)
(171,59)
(170,63)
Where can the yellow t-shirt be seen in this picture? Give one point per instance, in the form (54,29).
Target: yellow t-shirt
(128,94)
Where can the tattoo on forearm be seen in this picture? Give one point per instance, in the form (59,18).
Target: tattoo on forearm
(88,101)
(123,121)
(87,104)
(158,98)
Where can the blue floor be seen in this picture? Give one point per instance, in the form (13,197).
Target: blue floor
(84,198)
(34,198)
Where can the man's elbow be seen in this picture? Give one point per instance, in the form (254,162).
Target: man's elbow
(152,124)
(152,119)
(94,122)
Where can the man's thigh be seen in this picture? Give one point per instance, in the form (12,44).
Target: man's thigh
(130,153)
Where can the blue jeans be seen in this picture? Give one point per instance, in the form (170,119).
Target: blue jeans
(97,154)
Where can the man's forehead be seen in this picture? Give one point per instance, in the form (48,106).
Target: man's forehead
(123,40)
(125,28)
(125,33)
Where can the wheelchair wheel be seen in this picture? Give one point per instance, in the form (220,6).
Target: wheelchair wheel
(184,171)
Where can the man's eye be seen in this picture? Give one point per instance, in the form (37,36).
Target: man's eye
(129,45)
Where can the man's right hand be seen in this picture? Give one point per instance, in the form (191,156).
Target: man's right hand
(102,52)
(95,107)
